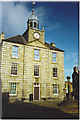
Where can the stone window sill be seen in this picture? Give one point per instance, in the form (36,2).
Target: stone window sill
(55,77)
(13,75)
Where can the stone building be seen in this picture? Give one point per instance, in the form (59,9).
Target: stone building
(30,66)
(66,86)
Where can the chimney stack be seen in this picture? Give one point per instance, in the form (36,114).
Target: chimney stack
(53,44)
(1,36)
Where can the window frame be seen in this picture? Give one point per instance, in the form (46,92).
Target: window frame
(53,57)
(55,72)
(15,84)
(36,71)
(55,88)
(15,51)
(14,69)
(37,55)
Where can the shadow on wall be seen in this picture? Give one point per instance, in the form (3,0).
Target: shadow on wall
(5,96)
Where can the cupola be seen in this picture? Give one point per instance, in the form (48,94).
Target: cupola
(33,21)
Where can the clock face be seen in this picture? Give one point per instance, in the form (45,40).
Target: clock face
(36,35)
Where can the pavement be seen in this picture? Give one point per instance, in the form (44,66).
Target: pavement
(34,110)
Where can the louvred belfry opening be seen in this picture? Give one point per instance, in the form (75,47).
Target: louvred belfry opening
(33,21)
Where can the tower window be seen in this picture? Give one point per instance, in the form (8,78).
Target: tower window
(30,24)
(35,24)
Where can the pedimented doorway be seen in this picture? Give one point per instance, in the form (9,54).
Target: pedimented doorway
(36,91)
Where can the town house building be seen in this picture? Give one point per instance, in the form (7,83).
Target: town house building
(30,67)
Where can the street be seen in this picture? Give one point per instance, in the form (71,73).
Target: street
(31,110)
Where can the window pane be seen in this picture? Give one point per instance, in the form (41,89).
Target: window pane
(36,54)
(55,88)
(54,72)
(54,57)
(14,69)
(13,88)
(36,70)
(14,51)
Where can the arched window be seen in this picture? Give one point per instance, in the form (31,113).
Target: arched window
(30,24)
(35,24)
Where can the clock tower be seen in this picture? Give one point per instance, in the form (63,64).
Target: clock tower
(33,33)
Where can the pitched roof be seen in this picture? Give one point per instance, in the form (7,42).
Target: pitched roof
(53,47)
(21,40)
(16,39)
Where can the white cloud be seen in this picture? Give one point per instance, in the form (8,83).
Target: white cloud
(55,26)
(71,55)
(14,18)
(68,71)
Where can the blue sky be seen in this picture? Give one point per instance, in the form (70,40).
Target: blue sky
(60,20)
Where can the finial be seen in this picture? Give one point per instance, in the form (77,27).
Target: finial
(33,5)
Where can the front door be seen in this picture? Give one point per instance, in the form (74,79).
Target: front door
(36,93)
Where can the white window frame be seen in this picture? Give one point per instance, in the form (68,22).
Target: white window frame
(14,51)
(14,69)
(35,54)
(57,89)
(36,70)
(53,57)
(14,88)
(55,73)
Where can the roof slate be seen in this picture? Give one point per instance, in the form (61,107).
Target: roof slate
(16,39)
(21,40)
(53,47)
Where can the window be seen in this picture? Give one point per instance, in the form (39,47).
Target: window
(35,24)
(14,69)
(54,72)
(13,88)
(15,51)
(36,54)
(30,24)
(36,70)
(55,88)
(54,57)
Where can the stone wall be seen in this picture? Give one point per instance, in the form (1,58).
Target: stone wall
(25,79)
(6,62)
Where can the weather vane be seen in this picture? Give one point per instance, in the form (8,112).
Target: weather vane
(33,3)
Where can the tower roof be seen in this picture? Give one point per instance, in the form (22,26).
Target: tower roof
(33,17)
